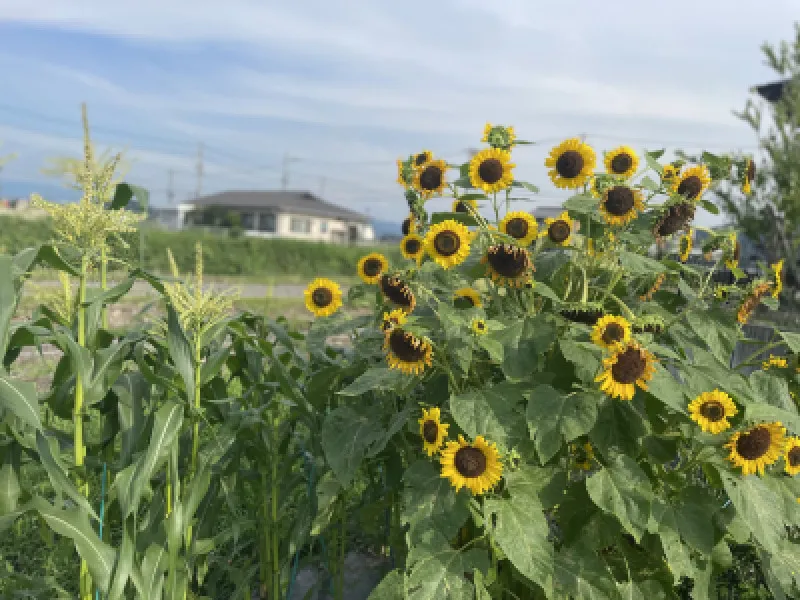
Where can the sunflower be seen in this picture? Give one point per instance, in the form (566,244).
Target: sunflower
(735,252)
(757,447)
(507,264)
(407,352)
(467,298)
(758,290)
(648,324)
(499,136)
(648,295)
(588,313)
(371,267)
(791,456)
(466,207)
(432,430)
(774,361)
(490,170)
(686,243)
(711,410)
(559,230)
(611,330)
(397,292)
(692,182)
(669,173)
(674,218)
(622,161)
(409,224)
(620,204)
(392,319)
(630,365)
(429,179)
(521,226)
(403,174)
(475,466)
(571,163)
(478,327)
(777,270)
(412,247)
(583,455)
(749,176)
(448,243)
(323,297)
(420,158)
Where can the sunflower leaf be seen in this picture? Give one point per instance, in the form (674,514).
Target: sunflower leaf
(583,574)
(554,417)
(649,184)
(462,218)
(581,203)
(528,186)
(667,389)
(710,207)
(493,411)
(618,427)
(653,163)
(792,340)
(755,502)
(430,500)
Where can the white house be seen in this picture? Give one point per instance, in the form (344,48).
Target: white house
(284,214)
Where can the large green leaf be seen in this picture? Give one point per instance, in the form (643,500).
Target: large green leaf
(9,489)
(390,587)
(791,339)
(619,427)
(49,459)
(586,358)
(668,390)
(151,583)
(124,569)
(583,575)
(124,192)
(180,351)
(494,412)
(716,329)
(636,264)
(431,502)
(623,490)
(771,389)
(553,416)
(755,502)
(374,379)
(9,297)
(20,398)
(437,570)
(665,523)
(346,435)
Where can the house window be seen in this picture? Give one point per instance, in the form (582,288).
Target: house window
(266,222)
(323,227)
(299,225)
(248,221)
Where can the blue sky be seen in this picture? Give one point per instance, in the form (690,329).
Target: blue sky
(346,87)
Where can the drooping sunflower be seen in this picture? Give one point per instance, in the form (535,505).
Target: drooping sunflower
(475,466)
(467,298)
(583,455)
(490,170)
(756,448)
(758,289)
(692,182)
(674,218)
(420,158)
(407,352)
(499,136)
(669,173)
(648,295)
(710,410)
(371,267)
(429,179)
(409,224)
(393,318)
(791,456)
(507,265)
(412,247)
(749,177)
(588,313)
(448,243)
(397,292)
(648,324)
(629,365)
(571,163)
(478,327)
(465,206)
(432,430)
(686,243)
(520,225)
(620,204)
(777,270)
(559,230)
(323,297)
(611,330)
(774,361)
(622,161)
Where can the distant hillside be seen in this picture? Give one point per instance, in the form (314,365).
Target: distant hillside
(386,228)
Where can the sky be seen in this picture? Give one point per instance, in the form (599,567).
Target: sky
(344,88)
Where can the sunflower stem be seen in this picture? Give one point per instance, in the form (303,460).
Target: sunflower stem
(496,210)
(627,312)
(612,284)
(585,288)
(761,350)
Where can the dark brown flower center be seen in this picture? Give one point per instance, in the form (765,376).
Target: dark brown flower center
(406,226)
(754,444)
(430,431)
(589,316)
(461,207)
(420,159)
(466,301)
(490,170)
(517,228)
(629,367)
(793,456)
(569,164)
(480,325)
(321,297)
(613,332)
(431,178)
(737,251)
(508,261)
(619,200)
(396,291)
(447,243)
(690,187)
(470,462)
(751,170)
(412,246)
(621,163)
(372,266)
(712,410)
(677,217)
(558,231)
(405,346)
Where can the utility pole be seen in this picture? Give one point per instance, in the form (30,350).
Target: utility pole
(199,189)
(171,188)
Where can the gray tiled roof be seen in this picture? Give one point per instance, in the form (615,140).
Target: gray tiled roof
(298,202)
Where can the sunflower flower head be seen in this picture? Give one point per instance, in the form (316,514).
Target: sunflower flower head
(479,327)
(673,217)
(685,245)
(521,226)
(757,290)
(774,361)
(611,330)
(432,430)
(430,178)
(756,448)
(588,313)
(622,162)
(448,243)
(651,291)
(508,265)
(571,164)
(629,365)
(397,292)
(692,182)
(620,204)
(711,410)
(583,455)
(371,267)
(475,465)
(559,229)
(418,160)
(466,207)
(393,318)
(412,247)
(407,352)
(649,324)
(323,297)
(791,456)
(467,297)
(409,224)
(777,271)
(499,136)
(491,170)
(405,172)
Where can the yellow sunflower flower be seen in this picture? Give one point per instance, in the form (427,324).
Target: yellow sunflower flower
(430,178)
(648,295)
(620,204)
(499,136)
(478,327)
(403,174)
(777,270)
(711,410)
(674,218)
(622,162)
(734,253)
(686,244)
(774,361)
(508,265)
(669,173)
(571,164)
(371,267)
(751,301)
(393,318)
(407,352)
(749,176)
(420,158)
(432,430)
(397,292)
(490,170)
(629,365)
(467,296)
(323,297)
(447,243)
(583,455)
(466,207)
(412,247)
(791,456)
(692,182)
(611,330)
(475,466)
(758,447)
(559,230)
(409,224)
(521,226)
